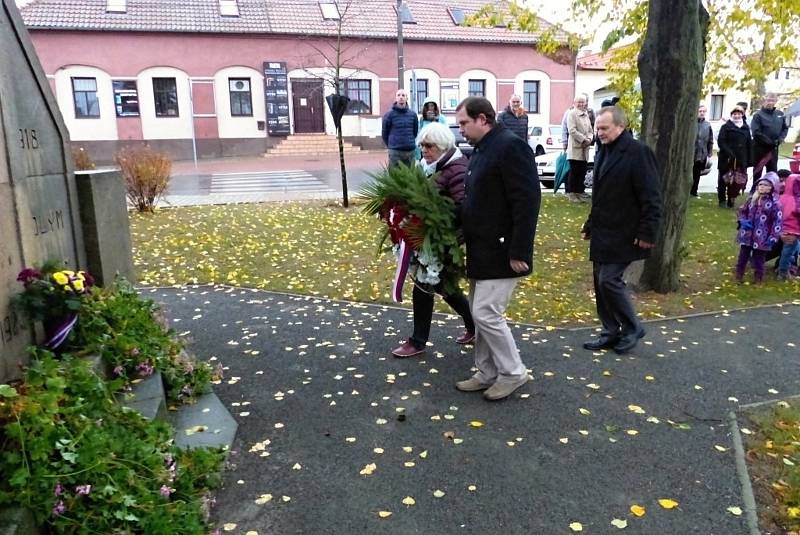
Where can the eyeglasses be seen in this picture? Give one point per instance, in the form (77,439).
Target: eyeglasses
(427,145)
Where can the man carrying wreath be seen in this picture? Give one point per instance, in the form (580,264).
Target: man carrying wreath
(498,216)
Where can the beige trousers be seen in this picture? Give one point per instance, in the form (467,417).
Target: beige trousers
(496,354)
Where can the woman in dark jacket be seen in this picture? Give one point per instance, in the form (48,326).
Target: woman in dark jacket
(734,142)
(442,161)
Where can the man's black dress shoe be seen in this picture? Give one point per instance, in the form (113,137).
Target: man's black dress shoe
(604,341)
(628,342)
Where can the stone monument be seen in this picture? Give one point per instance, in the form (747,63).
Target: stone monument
(40,217)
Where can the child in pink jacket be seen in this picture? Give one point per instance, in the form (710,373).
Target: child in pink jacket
(790,232)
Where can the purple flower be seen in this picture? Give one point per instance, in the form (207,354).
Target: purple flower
(134,352)
(145,368)
(83,490)
(119,371)
(166,491)
(58,490)
(59,508)
(28,275)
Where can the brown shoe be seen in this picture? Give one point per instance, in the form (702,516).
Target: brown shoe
(471,385)
(503,390)
(407,349)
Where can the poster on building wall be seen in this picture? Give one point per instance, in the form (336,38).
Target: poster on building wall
(276,94)
(449,96)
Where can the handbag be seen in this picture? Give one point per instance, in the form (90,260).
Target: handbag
(735,176)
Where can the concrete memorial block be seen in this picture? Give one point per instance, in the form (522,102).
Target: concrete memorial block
(38,199)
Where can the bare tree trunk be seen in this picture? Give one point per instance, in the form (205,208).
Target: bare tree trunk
(671,71)
(345,201)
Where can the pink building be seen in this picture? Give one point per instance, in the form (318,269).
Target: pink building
(237,76)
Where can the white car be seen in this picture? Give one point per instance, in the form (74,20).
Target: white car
(546,167)
(544,139)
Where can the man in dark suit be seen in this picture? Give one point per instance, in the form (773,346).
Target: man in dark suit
(498,216)
(622,226)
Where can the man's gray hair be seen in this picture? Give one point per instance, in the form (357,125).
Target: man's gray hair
(618,116)
(438,134)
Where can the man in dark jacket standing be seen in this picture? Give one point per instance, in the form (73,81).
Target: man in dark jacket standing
(498,217)
(399,132)
(769,130)
(514,117)
(622,226)
(703,146)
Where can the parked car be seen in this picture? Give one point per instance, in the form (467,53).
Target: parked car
(544,139)
(546,166)
(461,142)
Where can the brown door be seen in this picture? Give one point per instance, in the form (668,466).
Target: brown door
(307,101)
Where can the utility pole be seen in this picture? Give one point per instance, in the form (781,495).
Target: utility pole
(400,61)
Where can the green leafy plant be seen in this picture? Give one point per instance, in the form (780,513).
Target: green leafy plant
(84,464)
(122,328)
(146,173)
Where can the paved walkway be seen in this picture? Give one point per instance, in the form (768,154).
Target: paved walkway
(334,430)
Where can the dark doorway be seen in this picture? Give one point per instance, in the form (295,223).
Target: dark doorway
(307,101)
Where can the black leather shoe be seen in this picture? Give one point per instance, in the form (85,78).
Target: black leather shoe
(628,342)
(604,341)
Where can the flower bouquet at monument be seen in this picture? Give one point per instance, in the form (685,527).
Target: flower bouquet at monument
(53,296)
(420,222)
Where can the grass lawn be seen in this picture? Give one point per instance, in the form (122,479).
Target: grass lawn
(324,250)
(773,454)
(785,150)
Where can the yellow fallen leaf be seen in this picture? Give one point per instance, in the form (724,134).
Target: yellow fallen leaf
(251,532)
(384,514)
(230,526)
(378,450)
(438,493)
(286,498)
(563,440)
(264,498)
(409,501)
(458,440)
(576,526)
(368,470)
(636,409)
(793,512)
(666,503)
(632,432)
(637,510)
(472,488)
(408,449)
(297,466)
(409,464)
(736,511)
(196,429)
(424,454)
(585,412)
(619,523)
(476,423)
(720,448)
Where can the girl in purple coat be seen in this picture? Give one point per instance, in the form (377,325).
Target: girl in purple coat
(760,221)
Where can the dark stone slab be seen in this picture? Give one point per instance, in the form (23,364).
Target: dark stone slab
(17,521)
(147,397)
(104,221)
(206,423)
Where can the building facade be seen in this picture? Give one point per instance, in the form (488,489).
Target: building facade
(234,77)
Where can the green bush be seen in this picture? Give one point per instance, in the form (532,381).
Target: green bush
(84,464)
(120,326)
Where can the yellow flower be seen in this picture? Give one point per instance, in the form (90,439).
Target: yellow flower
(78,285)
(82,275)
(61,278)
(68,273)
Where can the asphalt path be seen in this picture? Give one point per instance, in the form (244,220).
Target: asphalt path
(319,399)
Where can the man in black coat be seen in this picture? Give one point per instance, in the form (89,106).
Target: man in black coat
(514,117)
(498,217)
(769,131)
(622,226)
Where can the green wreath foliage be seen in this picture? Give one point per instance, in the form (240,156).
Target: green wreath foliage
(435,233)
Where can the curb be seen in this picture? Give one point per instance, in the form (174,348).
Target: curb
(750,511)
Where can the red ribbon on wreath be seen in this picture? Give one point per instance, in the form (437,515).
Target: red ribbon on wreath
(398,219)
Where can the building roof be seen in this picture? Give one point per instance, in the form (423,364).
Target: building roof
(597,61)
(364,19)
